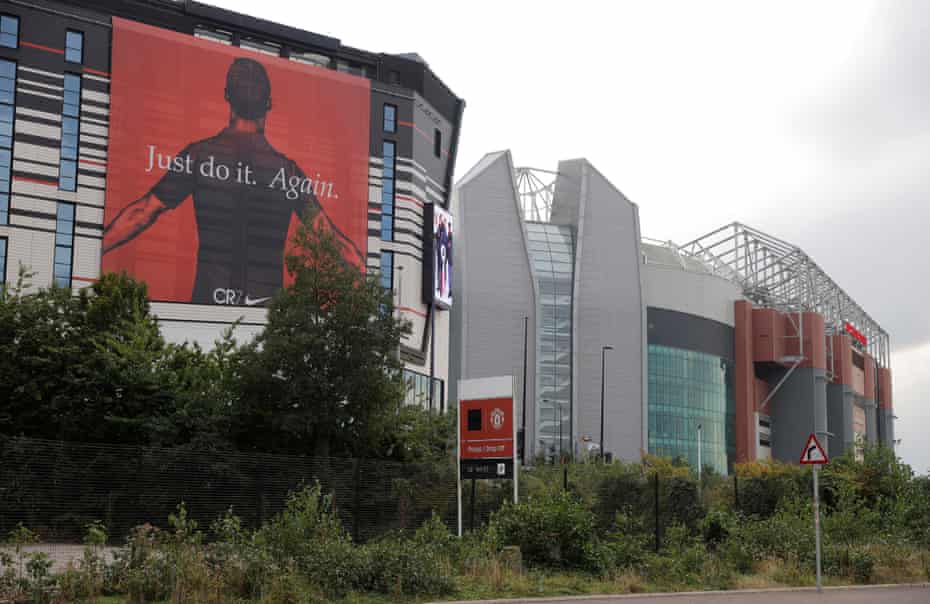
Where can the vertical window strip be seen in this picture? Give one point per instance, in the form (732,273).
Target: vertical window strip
(7,102)
(387,270)
(390,118)
(64,244)
(9,31)
(387,191)
(3,248)
(70,133)
(74,46)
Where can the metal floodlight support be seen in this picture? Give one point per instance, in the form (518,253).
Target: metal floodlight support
(776,274)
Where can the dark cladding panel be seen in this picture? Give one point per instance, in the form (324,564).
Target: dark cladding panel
(689,332)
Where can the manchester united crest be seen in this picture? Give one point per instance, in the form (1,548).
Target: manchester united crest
(497,419)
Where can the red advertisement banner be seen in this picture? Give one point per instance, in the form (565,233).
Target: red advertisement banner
(215,153)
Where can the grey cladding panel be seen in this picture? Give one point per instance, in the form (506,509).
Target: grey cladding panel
(608,306)
(495,283)
(680,330)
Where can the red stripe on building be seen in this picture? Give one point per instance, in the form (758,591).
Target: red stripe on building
(445,152)
(91,162)
(57,51)
(36,181)
(84,279)
(410,199)
(104,74)
(411,310)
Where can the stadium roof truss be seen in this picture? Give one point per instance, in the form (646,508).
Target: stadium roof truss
(536,189)
(777,274)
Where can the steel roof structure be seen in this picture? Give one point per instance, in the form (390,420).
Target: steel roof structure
(536,188)
(771,272)
(777,274)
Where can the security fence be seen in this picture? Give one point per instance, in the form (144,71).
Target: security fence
(56,488)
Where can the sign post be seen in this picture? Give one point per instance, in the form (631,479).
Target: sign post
(814,455)
(487,434)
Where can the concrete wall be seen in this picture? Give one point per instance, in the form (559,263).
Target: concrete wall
(799,408)
(495,288)
(688,292)
(608,308)
(839,418)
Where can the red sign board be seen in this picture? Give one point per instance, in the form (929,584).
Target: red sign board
(856,334)
(813,454)
(486,428)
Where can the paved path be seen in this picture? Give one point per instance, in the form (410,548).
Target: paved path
(906,594)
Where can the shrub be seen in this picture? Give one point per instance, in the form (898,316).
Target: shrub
(554,530)
(405,567)
(861,564)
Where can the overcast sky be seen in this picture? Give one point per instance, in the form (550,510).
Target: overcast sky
(808,120)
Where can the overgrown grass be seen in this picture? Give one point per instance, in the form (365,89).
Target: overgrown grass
(596,538)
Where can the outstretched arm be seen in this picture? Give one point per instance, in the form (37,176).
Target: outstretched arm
(132,220)
(322,217)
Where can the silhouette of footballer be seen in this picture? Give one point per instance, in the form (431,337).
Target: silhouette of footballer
(242,226)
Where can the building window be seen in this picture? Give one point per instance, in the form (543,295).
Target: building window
(74,47)
(9,31)
(214,35)
(394,77)
(70,133)
(387,192)
(64,244)
(311,58)
(390,118)
(2,261)
(387,270)
(72,96)
(7,95)
(416,387)
(265,48)
(437,143)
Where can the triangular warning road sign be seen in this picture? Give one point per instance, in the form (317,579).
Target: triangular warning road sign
(813,453)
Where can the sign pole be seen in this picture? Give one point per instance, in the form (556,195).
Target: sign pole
(815,455)
(458,464)
(817,525)
(516,466)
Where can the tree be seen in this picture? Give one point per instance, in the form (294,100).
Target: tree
(324,373)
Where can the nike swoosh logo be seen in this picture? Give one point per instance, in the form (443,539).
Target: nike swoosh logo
(255,301)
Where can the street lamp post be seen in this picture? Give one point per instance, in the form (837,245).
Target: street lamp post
(700,467)
(604,350)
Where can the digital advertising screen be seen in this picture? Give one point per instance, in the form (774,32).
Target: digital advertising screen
(216,153)
(439,236)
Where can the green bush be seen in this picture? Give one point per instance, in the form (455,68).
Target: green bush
(861,564)
(403,566)
(554,530)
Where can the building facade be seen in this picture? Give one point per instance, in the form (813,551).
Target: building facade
(220,130)
(733,347)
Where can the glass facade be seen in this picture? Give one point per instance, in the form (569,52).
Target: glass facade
(417,390)
(389,153)
(74,47)
(2,262)
(9,31)
(70,133)
(7,96)
(64,244)
(552,251)
(687,389)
